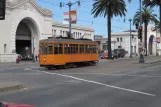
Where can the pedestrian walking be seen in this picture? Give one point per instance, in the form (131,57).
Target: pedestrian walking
(36,57)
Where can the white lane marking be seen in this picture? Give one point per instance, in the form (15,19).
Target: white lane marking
(89,81)
(21,73)
(131,75)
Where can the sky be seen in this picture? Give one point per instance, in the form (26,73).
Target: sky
(85,17)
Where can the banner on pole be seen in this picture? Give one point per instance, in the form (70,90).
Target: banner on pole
(73,18)
(158,39)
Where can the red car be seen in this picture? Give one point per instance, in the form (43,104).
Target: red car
(104,56)
(6,104)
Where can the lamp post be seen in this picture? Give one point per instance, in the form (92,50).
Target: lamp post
(130,39)
(156,44)
(69,4)
(33,51)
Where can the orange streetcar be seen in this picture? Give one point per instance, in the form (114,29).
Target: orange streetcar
(65,52)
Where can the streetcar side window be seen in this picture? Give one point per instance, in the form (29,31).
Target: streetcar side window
(50,49)
(56,48)
(73,48)
(66,48)
(81,49)
(60,49)
(69,48)
(44,49)
(76,48)
(87,48)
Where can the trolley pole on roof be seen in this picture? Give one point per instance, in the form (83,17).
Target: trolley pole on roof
(69,4)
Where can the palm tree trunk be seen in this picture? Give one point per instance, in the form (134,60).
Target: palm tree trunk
(145,38)
(109,34)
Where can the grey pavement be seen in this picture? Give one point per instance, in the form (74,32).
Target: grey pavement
(121,83)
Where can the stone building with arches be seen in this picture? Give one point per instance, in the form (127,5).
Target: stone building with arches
(25,24)
(153,41)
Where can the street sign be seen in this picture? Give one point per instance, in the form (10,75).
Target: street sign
(140,45)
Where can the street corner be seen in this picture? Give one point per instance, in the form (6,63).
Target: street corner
(10,86)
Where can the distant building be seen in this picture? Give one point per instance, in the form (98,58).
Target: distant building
(78,31)
(122,40)
(103,42)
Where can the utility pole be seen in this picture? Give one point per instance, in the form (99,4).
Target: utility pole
(156,44)
(130,40)
(141,59)
(69,4)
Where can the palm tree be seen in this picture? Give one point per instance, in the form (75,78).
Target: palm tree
(152,3)
(109,8)
(157,26)
(147,17)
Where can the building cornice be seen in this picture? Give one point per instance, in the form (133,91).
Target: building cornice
(15,3)
(77,27)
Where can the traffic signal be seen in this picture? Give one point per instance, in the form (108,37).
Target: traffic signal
(140,32)
(68,35)
(136,25)
(2,9)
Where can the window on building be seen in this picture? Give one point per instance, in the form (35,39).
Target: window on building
(80,35)
(132,49)
(135,49)
(119,46)
(61,32)
(54,32)
(120,39)
(117,39)
(5,48)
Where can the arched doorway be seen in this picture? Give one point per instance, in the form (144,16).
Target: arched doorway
(26,37)
(151,45)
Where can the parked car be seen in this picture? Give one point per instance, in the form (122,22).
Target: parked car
(119,53)
(104,55)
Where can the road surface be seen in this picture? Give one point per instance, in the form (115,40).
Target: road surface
(109,84)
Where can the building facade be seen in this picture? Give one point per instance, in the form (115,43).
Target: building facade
(77,30)
(103,42)
(25,24)
(122,40)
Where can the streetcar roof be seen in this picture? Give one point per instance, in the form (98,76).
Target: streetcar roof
(65,40)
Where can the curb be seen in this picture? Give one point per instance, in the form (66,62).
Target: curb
(11,88)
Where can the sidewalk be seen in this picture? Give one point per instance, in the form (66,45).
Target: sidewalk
(147,59)
(14,63)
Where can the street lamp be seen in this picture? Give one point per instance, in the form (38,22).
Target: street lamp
(130,39)
(33,51)
(69,4)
